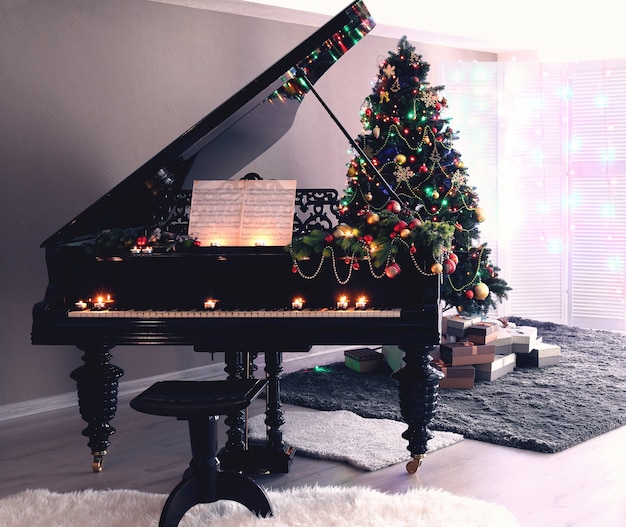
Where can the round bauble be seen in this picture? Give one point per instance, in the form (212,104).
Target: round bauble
(392,270)
(436,268)
(481,291)
(373,218)
(454,258)
(469,294)
(394,206)
(449,266)
(400,226)
(400,159)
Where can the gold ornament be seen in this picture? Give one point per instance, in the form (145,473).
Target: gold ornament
(376,132)
(481,291)
(400,159)
(436,268)
(373,218)
(479,212)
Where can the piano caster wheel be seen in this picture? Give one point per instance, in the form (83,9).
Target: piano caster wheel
(98,460)
(415,463)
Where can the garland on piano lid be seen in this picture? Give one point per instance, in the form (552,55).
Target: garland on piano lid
(378,239)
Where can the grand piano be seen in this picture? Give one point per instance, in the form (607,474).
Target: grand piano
(133,238)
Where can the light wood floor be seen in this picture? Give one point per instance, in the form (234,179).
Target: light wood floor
(584,486)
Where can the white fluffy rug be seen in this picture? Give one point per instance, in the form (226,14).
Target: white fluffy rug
(368,444)
(303,507)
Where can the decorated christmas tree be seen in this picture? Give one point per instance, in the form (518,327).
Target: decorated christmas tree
(410,144)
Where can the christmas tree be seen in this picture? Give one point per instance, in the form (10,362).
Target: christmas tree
(414,177)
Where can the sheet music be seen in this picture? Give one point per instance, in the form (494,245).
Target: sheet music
(242,212)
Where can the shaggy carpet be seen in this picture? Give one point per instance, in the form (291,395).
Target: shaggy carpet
(299,507)
(542,409)
(368,444)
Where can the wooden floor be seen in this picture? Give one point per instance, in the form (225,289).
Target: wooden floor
(584,486)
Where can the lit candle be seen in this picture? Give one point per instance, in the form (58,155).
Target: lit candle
(210,304)
(135,250)
(99,303)
(342,303)
(298,303)
(81,304)
(361,302)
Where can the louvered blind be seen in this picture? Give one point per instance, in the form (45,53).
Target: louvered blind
(471,90)
(546,147)
(598,193)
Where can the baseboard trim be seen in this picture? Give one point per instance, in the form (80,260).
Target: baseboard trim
(291,362)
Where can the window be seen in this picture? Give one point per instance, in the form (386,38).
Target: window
(545,145)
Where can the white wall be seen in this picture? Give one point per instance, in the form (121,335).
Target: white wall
(90,90)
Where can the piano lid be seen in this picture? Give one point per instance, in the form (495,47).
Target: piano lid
(228,138)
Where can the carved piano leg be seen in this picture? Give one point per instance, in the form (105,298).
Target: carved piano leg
(418,385)
(259,457)
(236,366)
(96,383)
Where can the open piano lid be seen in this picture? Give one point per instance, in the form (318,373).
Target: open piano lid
(228,138)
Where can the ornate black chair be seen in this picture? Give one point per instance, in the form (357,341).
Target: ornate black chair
(201,403)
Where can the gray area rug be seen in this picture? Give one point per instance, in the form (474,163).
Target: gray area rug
(340,435)
(541,409)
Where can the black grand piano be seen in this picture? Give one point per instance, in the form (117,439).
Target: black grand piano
(133,236)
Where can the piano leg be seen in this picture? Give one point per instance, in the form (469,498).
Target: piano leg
(418,385)
(263,457)
(96,383)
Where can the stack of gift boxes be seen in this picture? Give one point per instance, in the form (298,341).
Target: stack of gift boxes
(476,349)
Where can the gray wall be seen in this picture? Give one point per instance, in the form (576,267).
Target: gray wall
(89,91)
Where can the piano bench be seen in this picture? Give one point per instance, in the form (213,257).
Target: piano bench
(200,403)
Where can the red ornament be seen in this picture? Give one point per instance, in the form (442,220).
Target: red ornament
(392,270)
(142,240)
(454,258)
(368,238)
(394,206)
(400,226)
(294,269)
(423,169)
(449,266)
(469,294)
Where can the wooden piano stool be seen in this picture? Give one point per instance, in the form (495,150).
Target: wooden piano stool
(200,403)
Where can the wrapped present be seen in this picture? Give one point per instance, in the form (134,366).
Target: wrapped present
(455,377)
(503,342)
(524,338)
(466,353)
(483,332)
(543,355)
(363,360)
(456,325)
(394,357)
(501,365)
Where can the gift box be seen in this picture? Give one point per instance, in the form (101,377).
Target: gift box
(466,353)
(501,365)
(503,342)
(394,357)
(455,377)
(483,332)
(456,325)
(363,360)
(543,355)
(524,338)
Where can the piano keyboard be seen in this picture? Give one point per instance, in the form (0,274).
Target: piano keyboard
(287,313)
